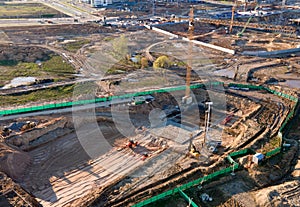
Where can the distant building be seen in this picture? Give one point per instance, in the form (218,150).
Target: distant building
(246,1)
(85,1)
(98,3)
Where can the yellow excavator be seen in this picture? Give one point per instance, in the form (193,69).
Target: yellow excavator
(192,149)
(194,152)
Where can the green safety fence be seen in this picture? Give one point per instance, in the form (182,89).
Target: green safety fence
(188,199)
(241,86)
(273,152)
(97,100)
(130,95)
(277,93)
(230,157)
(289,117)
(157,197)
(208,178)
(241,153)
(287,96)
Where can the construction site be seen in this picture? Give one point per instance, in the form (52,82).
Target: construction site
(151,104)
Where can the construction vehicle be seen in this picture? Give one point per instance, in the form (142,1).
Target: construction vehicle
(227,119)
(213,146)
(194,152)
(131,144)
(49,21)
(138,100)
(28,125)
(144,156)
(5,131)
(141,99)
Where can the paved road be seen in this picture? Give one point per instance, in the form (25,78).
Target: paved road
(34,21)
(72,11)
(69,109)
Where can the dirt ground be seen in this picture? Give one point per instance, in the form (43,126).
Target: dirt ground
(64,158)
(41,34)
(72,165)
(28,10)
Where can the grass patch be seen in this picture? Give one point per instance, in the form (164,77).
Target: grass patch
(149,82)
(55,68)
(45,95)
(29,10)
(56,65)
(85,89)
(40,95)
(272,144)
(108,38)
(123,66)
(74,46)
(25,69)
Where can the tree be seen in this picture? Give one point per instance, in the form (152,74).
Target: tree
(161,62)
(144,63)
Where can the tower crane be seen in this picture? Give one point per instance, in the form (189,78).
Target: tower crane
(187,99)
(235,5)
(232,16)
(243,30)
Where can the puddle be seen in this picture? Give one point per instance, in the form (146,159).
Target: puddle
(225,72)
(20,81)
(79,75)
(292,83)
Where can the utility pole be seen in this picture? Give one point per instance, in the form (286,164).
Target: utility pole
(207,117)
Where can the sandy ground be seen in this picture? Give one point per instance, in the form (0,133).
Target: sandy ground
(62,171)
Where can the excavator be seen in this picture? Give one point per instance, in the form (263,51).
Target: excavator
(194,152)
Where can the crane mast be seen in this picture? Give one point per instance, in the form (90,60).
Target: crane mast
(187,99)
(232,17)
